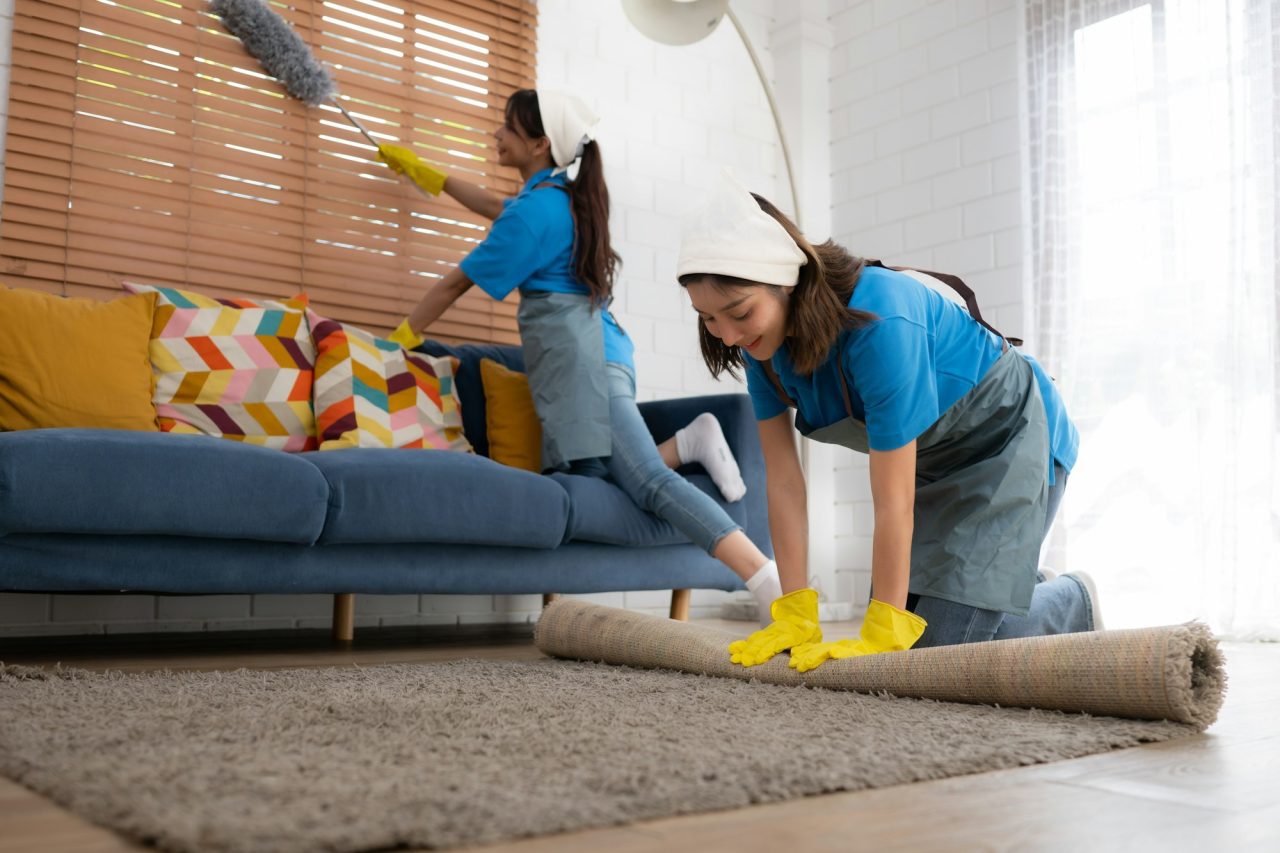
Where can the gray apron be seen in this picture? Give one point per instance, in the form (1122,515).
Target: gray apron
(563,341)
(981,487)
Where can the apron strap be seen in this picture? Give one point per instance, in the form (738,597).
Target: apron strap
(957,284)
(954,282)
(777,383)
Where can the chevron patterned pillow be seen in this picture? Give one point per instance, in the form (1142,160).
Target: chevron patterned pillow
(234,368)
(370,392)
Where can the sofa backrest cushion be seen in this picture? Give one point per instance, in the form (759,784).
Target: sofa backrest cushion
(381,496)
(370,392)
(471,384)
(511,421)
(118,482)
(75,362)
(234,368)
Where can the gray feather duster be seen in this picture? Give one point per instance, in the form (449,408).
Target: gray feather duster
(271,41)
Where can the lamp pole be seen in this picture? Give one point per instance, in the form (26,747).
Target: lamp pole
(773,108)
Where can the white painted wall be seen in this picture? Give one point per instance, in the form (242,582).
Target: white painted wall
(903,117)
(925,172)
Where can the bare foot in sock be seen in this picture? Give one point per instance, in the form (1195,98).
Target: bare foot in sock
(702,441)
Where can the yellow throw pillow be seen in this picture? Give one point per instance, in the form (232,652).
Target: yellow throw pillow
(515,436)
(70,362)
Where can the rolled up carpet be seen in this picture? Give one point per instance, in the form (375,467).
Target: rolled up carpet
(1172,673)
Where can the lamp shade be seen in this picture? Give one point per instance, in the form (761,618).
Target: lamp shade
(675,21)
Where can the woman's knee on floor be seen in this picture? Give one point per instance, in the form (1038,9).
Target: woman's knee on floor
(951,624)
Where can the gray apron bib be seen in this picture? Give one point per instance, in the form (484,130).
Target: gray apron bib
(981,487)
(563,341)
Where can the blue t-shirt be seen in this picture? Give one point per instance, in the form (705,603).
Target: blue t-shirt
(922,354)
(530,248)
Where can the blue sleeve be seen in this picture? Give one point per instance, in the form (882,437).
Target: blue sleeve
(891,366)
(764,397)
(506,258)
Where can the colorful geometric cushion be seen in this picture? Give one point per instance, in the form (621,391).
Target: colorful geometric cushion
(72,362)
(515,434)
(233,368)
(370,392)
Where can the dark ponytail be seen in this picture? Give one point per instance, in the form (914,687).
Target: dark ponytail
(595,262)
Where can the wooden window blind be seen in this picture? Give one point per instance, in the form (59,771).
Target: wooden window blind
(145,144)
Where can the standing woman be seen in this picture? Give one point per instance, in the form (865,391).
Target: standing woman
(551,241)
(969,442)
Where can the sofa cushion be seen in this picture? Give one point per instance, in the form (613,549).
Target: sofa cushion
(599,511)
(511,421)
(120,482)
(75,362)
(470,383)
(384,495)
(233,367)
(370,392)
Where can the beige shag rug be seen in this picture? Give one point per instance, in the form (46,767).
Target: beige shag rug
(463,753)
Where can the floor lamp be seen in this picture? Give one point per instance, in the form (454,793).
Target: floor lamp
(680,22)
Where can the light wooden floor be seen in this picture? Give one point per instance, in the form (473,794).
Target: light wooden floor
(1214,792)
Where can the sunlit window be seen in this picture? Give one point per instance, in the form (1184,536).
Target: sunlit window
(1167,338)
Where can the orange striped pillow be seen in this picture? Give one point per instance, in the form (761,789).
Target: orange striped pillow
(370,392)
(235,368)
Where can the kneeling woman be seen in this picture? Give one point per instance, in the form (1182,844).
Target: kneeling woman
(969,442)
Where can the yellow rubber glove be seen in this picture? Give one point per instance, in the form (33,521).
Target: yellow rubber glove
(795,621)
(404,162)
(885,628)
(404,336)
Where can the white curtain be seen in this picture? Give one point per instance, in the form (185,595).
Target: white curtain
(1153,133)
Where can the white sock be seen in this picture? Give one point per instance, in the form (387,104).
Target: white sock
(766,586)
(702,441)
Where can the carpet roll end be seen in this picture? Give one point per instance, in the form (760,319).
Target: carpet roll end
(1197,674)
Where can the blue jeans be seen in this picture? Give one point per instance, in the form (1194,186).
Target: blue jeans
(637,468)
(1059,606)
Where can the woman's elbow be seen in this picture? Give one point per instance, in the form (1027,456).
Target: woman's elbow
(457,284)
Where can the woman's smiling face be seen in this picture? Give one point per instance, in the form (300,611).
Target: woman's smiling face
(515,148)
(753,317)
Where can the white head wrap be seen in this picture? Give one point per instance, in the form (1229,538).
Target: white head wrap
(731,235)
(568,122)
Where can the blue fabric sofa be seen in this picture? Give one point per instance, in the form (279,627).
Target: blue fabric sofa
(106,510)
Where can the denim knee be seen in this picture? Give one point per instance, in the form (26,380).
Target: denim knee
(951,624)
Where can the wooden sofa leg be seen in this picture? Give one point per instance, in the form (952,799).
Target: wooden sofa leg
(680,604)
(548,597)
(344,617)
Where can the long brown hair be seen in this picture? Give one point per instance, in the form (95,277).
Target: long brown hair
(595,262)
(817,309)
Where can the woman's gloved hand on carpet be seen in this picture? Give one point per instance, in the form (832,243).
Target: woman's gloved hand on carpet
(885,628)
(404,336)
(404,162)
(795,621)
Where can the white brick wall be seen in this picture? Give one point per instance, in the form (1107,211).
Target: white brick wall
(925,172)
(671,115)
